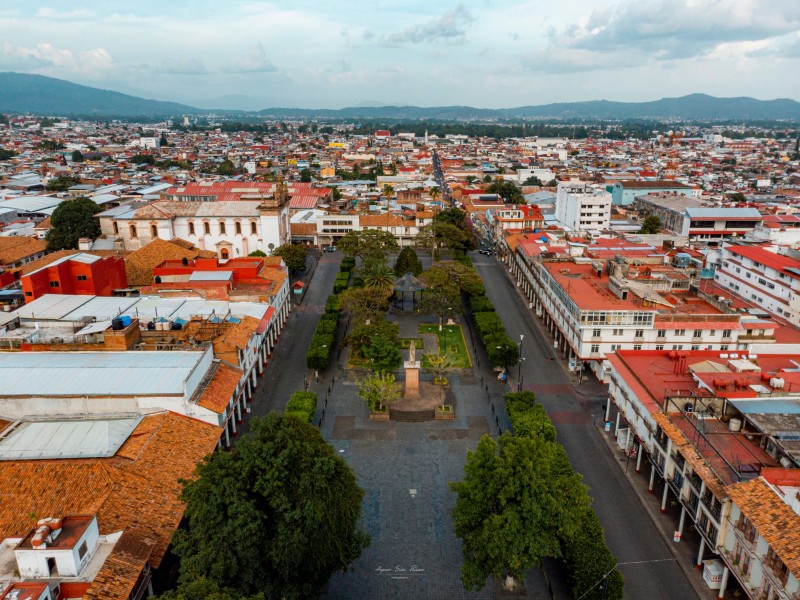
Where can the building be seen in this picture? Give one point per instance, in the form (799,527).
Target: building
(764,277)
(625,192)
(583,206)
(16,251)
(229,229)
(720,430)
(79,273)
(716,224)
(670,208)
(90,505)
(522,218)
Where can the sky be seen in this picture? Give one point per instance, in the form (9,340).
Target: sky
(336,53)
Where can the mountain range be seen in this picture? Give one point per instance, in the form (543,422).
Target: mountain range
(24,93)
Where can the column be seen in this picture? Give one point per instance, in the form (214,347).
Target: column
(639,459)
(683,518)
(724,583)
(608,410)
(238,408)
(699,563)
(664,496)
(616,427)
(227,437)
(652,479)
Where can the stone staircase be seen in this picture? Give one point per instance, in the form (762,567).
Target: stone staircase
(411,415)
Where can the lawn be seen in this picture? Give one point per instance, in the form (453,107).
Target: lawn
(456,346)
(405,343)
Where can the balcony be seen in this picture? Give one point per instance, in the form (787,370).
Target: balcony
(696,482)
(691,503)
(677,482)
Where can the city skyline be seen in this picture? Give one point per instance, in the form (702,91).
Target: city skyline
(490,54)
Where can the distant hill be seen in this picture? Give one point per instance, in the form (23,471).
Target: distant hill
(21,93)
(48,96)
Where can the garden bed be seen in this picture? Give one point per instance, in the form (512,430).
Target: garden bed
(453,335)
(445,412)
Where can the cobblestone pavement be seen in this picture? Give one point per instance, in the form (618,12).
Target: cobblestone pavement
(404,469)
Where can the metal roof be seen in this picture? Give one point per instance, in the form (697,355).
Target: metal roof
(85,374)
(723,212)
(52,306)
(211,275)
(85,438)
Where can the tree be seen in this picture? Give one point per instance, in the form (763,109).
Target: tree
(512,506)
(143,159)
(294,255)
(388,192)
(278,514)
(368,244)
(407,262)
(362,334)
(259,253)
(163,140)
(434,193)
(738,197)
(226,168)
(62,183)
(439,363)
(533,180)
(379,391)
(383,354)
(77,156)
(652,224)
(365,303)
(6,154)
(487,179)
(205,589)
(377,274)
(72,220)
(507,190)
(305,176)
(449,273)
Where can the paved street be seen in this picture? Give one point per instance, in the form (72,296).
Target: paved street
(646,562)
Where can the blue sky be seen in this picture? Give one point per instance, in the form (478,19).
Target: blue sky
(486,53)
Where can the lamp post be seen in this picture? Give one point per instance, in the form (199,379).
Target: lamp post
(504,348)
(445,329)
(519,375)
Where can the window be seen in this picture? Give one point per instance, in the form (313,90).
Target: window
(617,332)
(116,228)
(29,293)
(191,228)
(659,346)
(238,227)
(695,347)
(83,550)
(253,228)
(698,333)
(662,333)
(134,234)
(680,332)
(206,228)
(637,346)
(726,334)
(54,284)
(221,228)
(153,231)
(595,333)
(747,275)
(639,333)
(723,347)
(81,277)
(615,347)
(595,348)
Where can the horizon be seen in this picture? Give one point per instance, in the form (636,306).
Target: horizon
(255,55)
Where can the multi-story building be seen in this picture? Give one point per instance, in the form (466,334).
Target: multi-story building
(522,218)
(719,429)
(583,206)
(79,273)
(764,277)
(716,224)
(625,192)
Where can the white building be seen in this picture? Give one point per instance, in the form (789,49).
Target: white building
(762,276)
(583,206)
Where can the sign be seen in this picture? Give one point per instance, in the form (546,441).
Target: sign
(676,537)
(608,425)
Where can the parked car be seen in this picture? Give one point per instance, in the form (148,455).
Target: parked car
(331,248)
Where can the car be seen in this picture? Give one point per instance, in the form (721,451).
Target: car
(331,248)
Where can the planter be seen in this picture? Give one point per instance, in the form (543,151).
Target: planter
(445,412)
(443,381)
(379,416)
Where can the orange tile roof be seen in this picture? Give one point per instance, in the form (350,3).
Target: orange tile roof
(136,489)
(219,391)
(304,228)
(15,248)
(120,571)
(772,517)
(54,256)
(241,333)
(139,264)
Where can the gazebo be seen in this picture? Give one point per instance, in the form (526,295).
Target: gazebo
(407,292)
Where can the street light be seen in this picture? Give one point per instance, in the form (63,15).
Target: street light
(519,376)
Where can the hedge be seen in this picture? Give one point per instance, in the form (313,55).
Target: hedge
(348,264)
(341,283)
(327,323)
(480,304)
(587,557)
(319,351)
(502,350)
(333,304)
(302,405)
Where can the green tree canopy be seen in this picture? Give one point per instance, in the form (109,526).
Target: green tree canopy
(533,180)
(259,253)
(513,504)
(205,589)
(362,334)
(368,244)
(277,515)
(62,183)
(365,303)
(143,159)
(6,154)
(226,168)
(305,176)
(407,262)
(77,156)
(294,255)
(379,390)
(383,354)
(651,224)
(377,274)
(507,190)
(72,220)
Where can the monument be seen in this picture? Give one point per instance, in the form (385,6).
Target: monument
(412,366)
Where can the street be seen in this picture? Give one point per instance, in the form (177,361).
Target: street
(648,565)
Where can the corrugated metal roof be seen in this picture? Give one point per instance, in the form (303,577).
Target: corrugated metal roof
(85,374)
(723,212)
(211,275)
(52,306)
(85,438)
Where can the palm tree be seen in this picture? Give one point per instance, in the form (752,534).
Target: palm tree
(434,193)
(377,274)
(388,191)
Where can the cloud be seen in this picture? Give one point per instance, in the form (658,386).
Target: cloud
(256,61)
(641,32)
(449,26)
(185,66)
(343,66)
(46,55)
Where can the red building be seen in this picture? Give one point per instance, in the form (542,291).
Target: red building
(79,273)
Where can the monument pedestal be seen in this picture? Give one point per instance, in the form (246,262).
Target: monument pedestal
(412,379)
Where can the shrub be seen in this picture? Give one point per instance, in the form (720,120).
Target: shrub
(319,351)
(302,405)
(342,282)
(488,323)
(481,304)
(327,323)
(348,264)
(332,304)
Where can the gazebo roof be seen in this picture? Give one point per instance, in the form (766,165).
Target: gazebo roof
(408,283)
